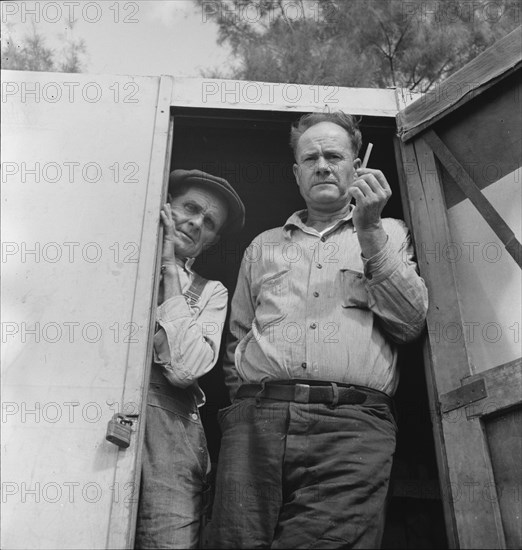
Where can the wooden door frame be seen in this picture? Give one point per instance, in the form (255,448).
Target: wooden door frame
(175,92)
(124,511)
(401,153)
(452,391)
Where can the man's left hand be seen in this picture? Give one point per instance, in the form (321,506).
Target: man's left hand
(371,192)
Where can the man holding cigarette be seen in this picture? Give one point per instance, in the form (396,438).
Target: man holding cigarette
(308,441)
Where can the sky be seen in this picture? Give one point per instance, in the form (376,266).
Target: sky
(126,37)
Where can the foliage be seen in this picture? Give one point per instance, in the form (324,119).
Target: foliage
(31,53)
(361,43)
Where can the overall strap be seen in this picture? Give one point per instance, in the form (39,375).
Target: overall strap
(193,293)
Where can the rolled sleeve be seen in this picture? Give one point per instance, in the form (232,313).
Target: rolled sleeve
(381,265)
(397,294)
(187,341)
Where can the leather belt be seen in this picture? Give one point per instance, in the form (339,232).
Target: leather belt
(311,391)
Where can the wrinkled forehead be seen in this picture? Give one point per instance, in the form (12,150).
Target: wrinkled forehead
(324,134)
(209,200)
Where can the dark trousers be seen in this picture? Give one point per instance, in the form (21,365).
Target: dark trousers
(293,475)
(174,470)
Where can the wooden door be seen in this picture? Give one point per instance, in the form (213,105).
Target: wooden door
(83,161)
(462,187)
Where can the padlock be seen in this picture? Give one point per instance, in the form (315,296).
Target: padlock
(119,430)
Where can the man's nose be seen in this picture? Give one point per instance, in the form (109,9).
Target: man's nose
(196,221)
(321,165)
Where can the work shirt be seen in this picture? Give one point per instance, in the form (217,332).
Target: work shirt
(187,341)
(309,306)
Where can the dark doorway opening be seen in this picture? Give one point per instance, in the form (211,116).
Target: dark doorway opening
(251,150)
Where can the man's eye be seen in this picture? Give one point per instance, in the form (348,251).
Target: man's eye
(190,207)
(209,223)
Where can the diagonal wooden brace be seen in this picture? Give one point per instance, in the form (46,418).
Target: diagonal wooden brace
(477,198)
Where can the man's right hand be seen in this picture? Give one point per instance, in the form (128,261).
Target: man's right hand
(170,285)
(168,253)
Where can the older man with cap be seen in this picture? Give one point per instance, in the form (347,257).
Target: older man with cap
(190,316)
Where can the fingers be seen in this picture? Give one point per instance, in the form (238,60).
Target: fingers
(370,187)
(356,193)
(364,189)
(371,193)
(374,180)
(166,214)
(167,221)
(169,249)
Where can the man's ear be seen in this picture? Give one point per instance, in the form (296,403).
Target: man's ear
(357,163)
(214,241)
(297,172)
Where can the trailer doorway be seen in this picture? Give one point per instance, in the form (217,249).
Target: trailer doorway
(251,150)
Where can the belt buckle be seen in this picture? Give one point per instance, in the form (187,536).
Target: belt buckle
(301,393)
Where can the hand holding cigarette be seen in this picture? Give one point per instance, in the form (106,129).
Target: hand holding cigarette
(371,192)
(364,163)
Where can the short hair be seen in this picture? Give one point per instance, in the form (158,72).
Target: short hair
(347,122)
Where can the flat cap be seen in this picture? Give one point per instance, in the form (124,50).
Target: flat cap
(236,209)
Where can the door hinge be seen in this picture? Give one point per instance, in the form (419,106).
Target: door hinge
(465,395)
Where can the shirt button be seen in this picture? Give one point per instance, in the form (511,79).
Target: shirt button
(359,275)
(369,276)
(194,416)
(313,325)
(303,365)
(319,266)
(316,294)
(323,239)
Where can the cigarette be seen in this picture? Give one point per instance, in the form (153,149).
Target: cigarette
(367,155)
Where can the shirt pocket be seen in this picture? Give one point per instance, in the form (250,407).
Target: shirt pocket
(272,300)
(353,288)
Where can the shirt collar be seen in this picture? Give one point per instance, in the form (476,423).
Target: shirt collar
(186,264)
(297,220)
